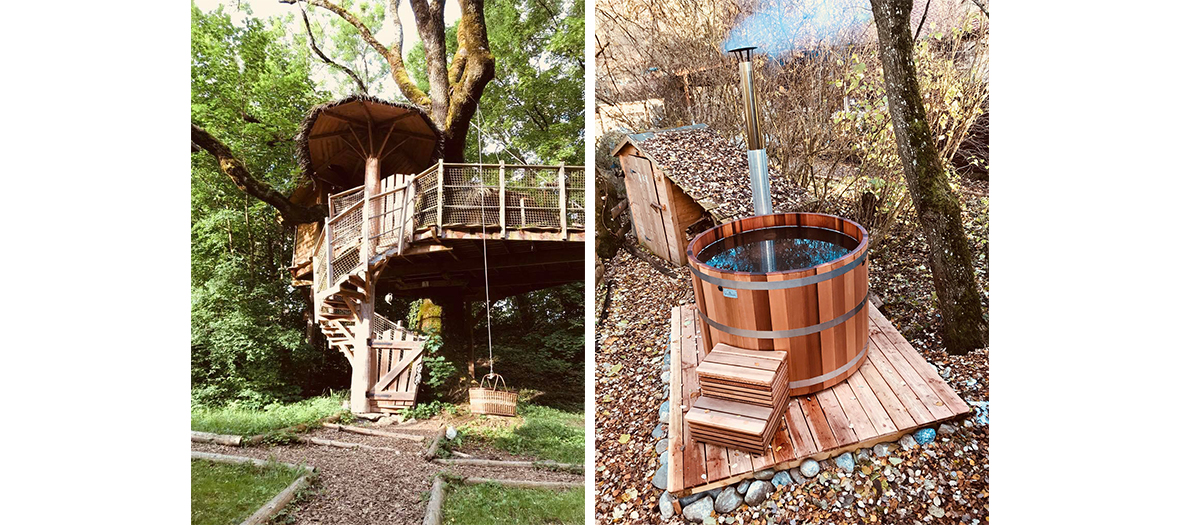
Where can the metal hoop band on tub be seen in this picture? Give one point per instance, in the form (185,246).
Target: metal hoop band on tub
(778,334)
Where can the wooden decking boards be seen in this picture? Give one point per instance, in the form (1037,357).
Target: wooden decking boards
(894,392)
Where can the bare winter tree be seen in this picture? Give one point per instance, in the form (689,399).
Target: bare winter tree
(936,204)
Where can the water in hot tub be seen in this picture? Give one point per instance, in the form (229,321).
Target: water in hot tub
(794,248)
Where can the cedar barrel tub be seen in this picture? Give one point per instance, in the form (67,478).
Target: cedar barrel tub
(817,314)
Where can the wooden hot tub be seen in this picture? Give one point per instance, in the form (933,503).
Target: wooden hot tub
(817,313)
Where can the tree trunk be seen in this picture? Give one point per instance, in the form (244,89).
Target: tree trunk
(456,339)
(963,326)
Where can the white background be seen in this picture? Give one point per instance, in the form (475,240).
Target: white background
(95,373)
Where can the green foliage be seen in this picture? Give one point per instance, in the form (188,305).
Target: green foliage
(225,493)
(243,419)
(546,433)
(429,410)
(250,88)
(533,111)
(538,343)
(492,503)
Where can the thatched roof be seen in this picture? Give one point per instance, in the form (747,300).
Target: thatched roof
(713,171)
(331,135)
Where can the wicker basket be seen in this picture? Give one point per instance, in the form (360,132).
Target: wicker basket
(497,400)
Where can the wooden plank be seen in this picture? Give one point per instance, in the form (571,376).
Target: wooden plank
(837,421)
(898,415)
(909,399)
(858,419)
(878,417)
(938,409)
(716,462)
(675,415)
(739,462)
(781,445)
(920,365)
(723,406)
(817,423)
(799,431)
(694,452)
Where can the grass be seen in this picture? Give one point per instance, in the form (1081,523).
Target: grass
(226,494)
(247,422)
(545,433)
(491,503)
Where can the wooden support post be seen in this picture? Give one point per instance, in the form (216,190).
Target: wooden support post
(363,331)
(561,197)
(441,179)
(503,203)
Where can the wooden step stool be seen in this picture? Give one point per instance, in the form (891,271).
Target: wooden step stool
(743,397)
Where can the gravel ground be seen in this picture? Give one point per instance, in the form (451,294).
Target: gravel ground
(943,482)
(357,486)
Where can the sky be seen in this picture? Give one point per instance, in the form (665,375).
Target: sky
(267,8)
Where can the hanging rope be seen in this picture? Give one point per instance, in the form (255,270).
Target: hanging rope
(484,226)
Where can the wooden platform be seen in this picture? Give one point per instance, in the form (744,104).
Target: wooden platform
(896,391)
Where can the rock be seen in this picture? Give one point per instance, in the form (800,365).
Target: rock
(797,475)
(907,442)
(758,492)
(937,512)
(846,500)
(666,376)
(660,480)
(451,433)
(688,500)
(664,458)
(863,453)
(728,501)
(809,468)
(881,449)
(846,462)
(968,424)
(924,436)
(659,432)
(666,510)
(945,429)
(664,412)
(764,474)
(661,446)
(743,486)
(781,478)
(698,510)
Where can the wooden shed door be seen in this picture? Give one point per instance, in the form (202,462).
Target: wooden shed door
(397,367)
(647,210)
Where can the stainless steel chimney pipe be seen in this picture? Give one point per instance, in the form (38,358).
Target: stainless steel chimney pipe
(755,143)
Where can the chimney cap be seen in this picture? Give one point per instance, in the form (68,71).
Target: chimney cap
(743,53)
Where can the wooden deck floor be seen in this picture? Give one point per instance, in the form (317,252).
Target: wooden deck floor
(894,392)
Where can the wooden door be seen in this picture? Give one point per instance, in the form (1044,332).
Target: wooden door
(647,212)
(397,365)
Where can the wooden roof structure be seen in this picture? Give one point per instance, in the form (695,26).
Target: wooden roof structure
(335,138)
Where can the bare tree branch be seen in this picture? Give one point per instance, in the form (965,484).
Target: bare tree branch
(923,20)
(311,38)
(392,55)
(979,4)
(237,172)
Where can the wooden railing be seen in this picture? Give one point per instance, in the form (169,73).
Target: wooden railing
(484,196)
(501,197)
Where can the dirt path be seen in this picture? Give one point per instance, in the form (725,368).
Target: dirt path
(357,486)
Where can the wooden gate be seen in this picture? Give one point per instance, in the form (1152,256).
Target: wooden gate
(397,367)
(647,207)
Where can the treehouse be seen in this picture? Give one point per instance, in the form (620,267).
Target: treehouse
(401,221)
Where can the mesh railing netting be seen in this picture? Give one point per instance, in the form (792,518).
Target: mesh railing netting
(575,197)
(339,203)
(471,195)
(533,198)
(426,198)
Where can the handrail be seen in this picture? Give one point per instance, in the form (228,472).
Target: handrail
(345,212)
(346,192)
